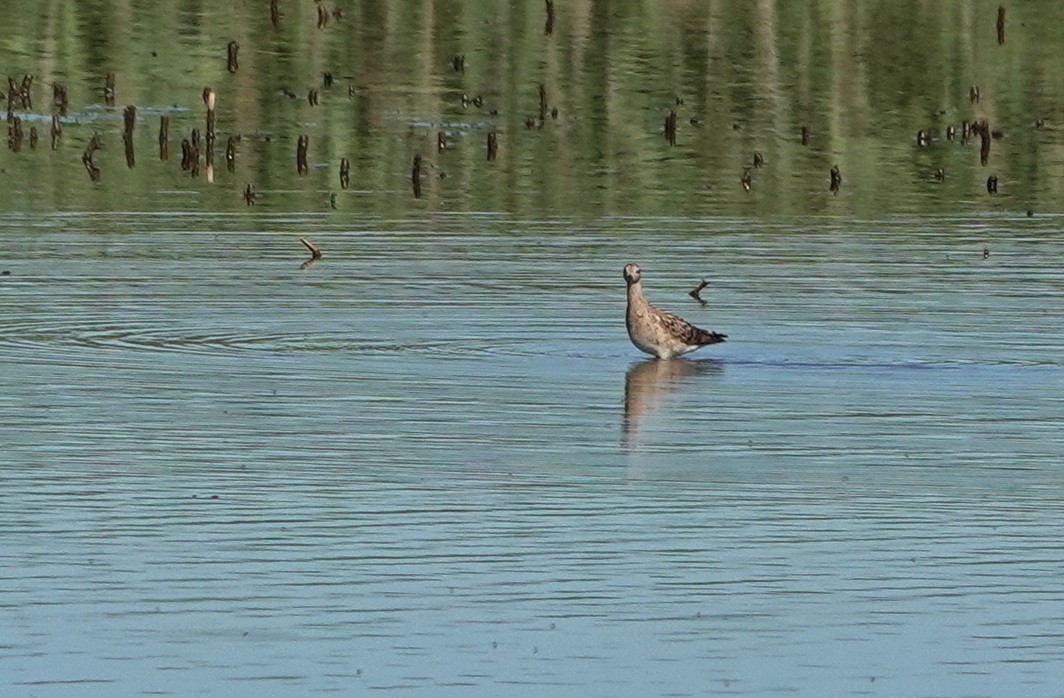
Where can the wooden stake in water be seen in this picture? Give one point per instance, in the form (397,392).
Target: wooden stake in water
(836,179)
(230,153)
(542,103)
(696,292)
(86,158)
(315,253)
(345,173)
(14,134)
(194,153)
(59,97)
(670,128)
(415,176)
(12,94)
(275,13)
(249,195)
(24,92)
(232,62)
(208,155)
(549,28)
(209,98)
(1001,25)
(164,137)
(129,120)
(323,15)
(56,132)
(301,154)
(109,90)
(493,145)
(984,142)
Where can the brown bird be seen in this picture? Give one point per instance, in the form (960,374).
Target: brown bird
(656,332)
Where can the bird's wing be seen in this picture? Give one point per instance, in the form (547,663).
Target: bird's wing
(686,332)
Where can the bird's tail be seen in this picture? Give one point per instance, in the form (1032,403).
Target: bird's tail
(711,338)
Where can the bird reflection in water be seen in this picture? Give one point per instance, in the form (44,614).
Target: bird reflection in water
(648,383)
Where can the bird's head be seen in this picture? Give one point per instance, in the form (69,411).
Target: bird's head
(632,273)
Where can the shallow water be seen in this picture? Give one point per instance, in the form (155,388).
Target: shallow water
(432,463)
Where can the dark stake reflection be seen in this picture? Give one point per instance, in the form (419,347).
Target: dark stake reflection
(164,137)
(648,383)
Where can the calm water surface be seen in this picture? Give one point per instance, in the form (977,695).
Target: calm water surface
(432,462)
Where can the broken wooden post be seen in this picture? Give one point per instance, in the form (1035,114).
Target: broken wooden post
(345,173)
(315,253)
(696,292)
(493,145)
